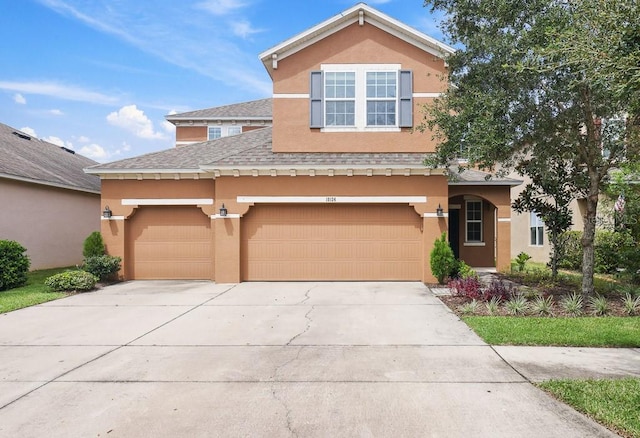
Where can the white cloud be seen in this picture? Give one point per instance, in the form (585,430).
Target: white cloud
(94,151)
(243,29)
(29,131)
(169,127)
(19,98)
(56,112)
(60,91)
(221,7)
(58,141)
(135,121)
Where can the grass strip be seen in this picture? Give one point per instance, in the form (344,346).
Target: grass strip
(32,293)
(607,331)
(613,403)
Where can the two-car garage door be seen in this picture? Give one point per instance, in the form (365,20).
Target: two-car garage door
(331,242)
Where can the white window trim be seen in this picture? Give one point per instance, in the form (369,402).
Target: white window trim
(468,242)
(360,71)
(539,224)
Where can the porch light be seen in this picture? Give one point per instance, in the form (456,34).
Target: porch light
(106,213)
(439,211)
(223,211)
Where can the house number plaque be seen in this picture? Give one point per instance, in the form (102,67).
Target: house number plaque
(331,199)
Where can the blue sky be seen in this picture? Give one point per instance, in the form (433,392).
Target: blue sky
(98,76)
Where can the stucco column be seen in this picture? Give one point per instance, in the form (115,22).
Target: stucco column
(227,249)
(503,228)
(113,235)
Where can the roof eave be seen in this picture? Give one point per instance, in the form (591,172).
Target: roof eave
(511,183)
(48,183)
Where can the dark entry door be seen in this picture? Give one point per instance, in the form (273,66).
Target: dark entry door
(454,232)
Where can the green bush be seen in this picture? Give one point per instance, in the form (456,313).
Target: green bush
(71,281)
(103,266)
(570,250)
(14,264)
(610,247)
(93,245)
(442,259)
(466,271)
(521,260)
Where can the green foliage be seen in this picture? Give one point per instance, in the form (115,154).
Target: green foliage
(104,267)
(93,245)
(521,260)
(466,271)
(542,305)
(470,308)
(571,250)
(442,259)
(493,305)
(599,305)
(631,304)
(71,281)
(572,304)
(541,79)
(612,402)
(14,264)
(517,305)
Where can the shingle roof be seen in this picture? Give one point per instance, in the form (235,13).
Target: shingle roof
(23,157)
(253,149)
(255,109)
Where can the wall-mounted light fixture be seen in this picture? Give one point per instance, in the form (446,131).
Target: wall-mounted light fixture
(223,211)
(439,211)
(106,213)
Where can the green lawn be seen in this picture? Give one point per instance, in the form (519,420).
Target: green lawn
(576,332)
(613,403)
(34,292)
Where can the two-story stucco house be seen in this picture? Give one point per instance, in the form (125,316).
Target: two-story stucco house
(335,189)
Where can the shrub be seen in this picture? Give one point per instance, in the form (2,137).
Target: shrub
(103,267)
(572,304)
(542,306)
(631,304)
(466,287)
(469,308)
(501,289)
(517,305)
(14,264)
(521,260)
(600,305)
(93,245)
(570,250)
(442,259)
(493,305)
(610,246)
(71,281)
(466,271)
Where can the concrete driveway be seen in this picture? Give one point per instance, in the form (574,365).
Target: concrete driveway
(185,359)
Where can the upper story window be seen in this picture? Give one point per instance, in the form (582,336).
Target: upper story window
(214,132)
(361,97)
(234,130)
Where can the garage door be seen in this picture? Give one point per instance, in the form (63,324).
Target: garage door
(170,243)
(331,242)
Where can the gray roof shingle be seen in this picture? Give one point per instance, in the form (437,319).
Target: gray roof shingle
(23,157)
(255,109)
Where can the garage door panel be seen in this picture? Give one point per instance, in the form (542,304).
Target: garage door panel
(170,242)
(332,242)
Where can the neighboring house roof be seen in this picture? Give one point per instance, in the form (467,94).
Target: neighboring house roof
(360,13)
(252,110)
(250,153)
(474,177)
(26,158)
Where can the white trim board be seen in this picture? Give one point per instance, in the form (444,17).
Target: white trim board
(171,201)
(332,199)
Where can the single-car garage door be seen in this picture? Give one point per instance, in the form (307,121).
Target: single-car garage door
(331,242)
(170,242)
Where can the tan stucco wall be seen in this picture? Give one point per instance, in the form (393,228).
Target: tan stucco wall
(353,45)
(51,223)
(191,133)
(227,232)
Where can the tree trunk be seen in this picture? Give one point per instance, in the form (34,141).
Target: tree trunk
(588,250)
(554,255)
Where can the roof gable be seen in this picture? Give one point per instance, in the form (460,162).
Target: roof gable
(29,159)
(252,110)
(360,13)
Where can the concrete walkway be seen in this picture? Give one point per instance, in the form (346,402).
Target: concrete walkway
(173,359)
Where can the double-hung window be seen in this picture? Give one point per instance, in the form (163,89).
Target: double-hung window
(361,97)
(214,132)
(473,221)
(536,226)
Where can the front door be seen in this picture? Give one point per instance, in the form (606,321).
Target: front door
(454,232)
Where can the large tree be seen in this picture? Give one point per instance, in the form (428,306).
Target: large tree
(545,80)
